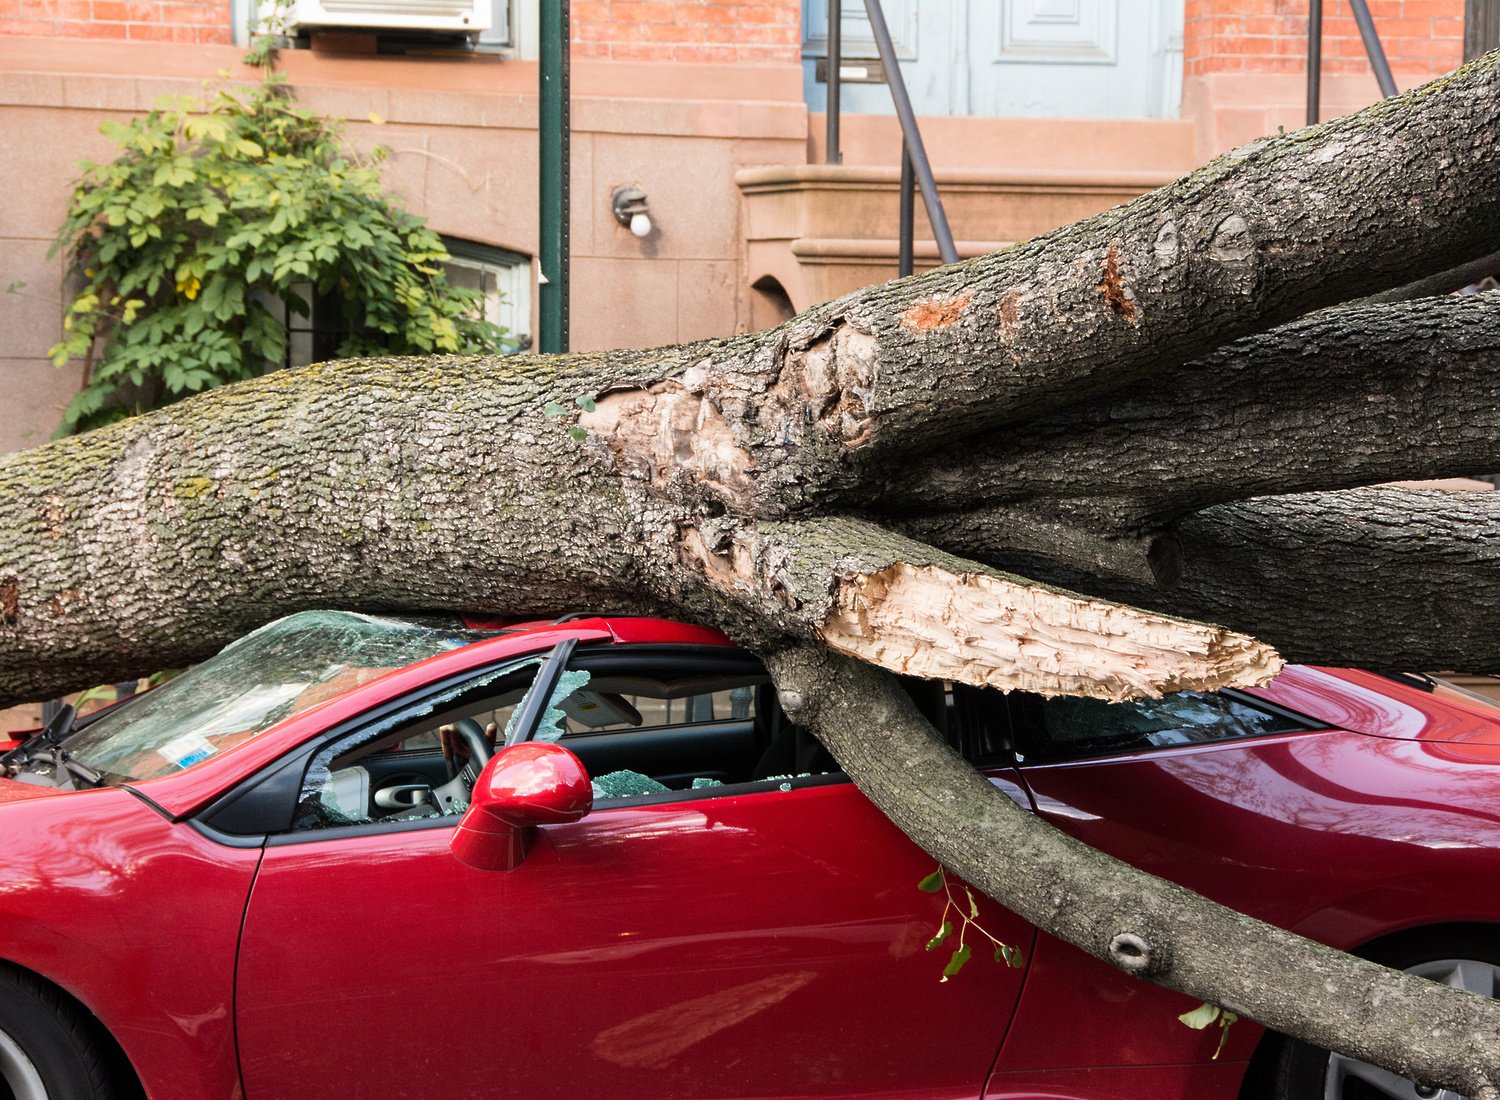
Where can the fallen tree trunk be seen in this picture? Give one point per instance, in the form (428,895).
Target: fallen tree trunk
(860,476)
(1345,397)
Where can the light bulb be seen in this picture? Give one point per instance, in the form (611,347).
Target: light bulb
(640,224)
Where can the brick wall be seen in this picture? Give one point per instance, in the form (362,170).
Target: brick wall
(687,30)
(632,30)
(194,21)
(1270,36)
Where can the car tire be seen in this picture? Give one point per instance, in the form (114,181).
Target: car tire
(48,1048)
(1465,958)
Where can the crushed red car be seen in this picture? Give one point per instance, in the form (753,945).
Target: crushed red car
(376,857)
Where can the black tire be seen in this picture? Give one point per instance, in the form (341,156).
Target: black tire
(1298,1071)
(47,1043)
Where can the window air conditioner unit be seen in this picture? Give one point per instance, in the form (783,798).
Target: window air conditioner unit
(461,16)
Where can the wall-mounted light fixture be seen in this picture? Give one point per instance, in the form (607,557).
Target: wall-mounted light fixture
(629,206)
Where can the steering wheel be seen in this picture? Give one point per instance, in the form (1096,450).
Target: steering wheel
(480,747)
(461,780)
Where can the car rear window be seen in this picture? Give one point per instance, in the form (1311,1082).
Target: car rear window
(1065,727)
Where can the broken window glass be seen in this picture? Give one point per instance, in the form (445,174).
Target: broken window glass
(252,684)
(344,786)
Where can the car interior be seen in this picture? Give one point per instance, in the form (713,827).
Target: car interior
(643,724)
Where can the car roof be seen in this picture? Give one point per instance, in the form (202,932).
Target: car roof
(633,629)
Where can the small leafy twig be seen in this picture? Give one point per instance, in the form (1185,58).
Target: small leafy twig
(552,409)
(968,917)
(1206,1014)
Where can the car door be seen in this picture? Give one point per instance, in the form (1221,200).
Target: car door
(1172,786)
(762,937)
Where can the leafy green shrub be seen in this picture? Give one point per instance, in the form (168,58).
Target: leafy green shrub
(217,210)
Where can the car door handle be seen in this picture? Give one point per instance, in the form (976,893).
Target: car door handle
(403,796)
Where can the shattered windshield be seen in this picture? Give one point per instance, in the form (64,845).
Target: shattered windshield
(267,676)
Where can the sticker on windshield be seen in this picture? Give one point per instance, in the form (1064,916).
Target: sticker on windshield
(187,750)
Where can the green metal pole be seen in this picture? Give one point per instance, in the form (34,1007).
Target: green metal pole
(553,128)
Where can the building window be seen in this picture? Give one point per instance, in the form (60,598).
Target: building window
(502,276)
(315,328)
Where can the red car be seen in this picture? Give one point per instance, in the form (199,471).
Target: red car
(364,857)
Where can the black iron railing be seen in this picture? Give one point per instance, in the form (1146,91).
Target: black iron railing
(1373,50)
(916,169)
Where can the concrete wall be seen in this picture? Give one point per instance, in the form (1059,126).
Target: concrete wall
(463,138)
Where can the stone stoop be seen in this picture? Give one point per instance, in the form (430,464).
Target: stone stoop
(823,230)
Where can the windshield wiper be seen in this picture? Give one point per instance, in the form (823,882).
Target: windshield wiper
(45,750)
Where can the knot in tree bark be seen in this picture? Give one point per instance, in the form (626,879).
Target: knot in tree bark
(1135,955)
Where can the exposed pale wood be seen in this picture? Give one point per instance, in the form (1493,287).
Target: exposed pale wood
(981,629)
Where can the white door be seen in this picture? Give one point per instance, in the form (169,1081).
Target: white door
(1049,58)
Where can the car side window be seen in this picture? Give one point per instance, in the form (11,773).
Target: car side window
(1064,727)
(649,722)
(645,721)
(421,763)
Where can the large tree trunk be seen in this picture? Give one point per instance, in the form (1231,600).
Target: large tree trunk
(860,477)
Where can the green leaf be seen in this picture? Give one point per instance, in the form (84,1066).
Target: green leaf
(15,288)
(578,434)
(1010,956)
(585,402)
(973,905)
(1200,1017)
(932,883)
(552,408)
(942,934)
(1227,1020)
(956,962)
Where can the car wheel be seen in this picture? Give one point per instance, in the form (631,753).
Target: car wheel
(1465,961)
(47,1048)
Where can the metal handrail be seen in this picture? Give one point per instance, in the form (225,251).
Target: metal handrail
(1373,50)
(832,154)
(916,151)
(916,169)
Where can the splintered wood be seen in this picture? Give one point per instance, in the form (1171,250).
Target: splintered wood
(983,630)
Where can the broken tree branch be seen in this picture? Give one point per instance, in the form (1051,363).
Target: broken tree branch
(1140,924)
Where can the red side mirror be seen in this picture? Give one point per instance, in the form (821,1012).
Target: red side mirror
(537,783)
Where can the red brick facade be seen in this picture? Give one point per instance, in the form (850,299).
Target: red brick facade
(194,21)
(629,30)
(688,30)
(1270,36)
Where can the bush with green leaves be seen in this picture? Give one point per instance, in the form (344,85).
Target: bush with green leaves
(219,210)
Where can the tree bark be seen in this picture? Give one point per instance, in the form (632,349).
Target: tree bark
(1382,578)
(861,476)
(1342,398)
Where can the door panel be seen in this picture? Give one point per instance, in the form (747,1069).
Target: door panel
(1076,58)
(924,48)
(752,945)
(1004,58)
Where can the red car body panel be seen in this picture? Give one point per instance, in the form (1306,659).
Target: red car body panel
(138,919)
(742,954)
(1382,707)
(765,944)
(1404,837)
(1189,1081)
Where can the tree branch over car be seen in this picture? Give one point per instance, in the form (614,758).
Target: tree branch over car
(906,476)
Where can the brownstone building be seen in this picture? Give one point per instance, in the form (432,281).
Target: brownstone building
(1035,112)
